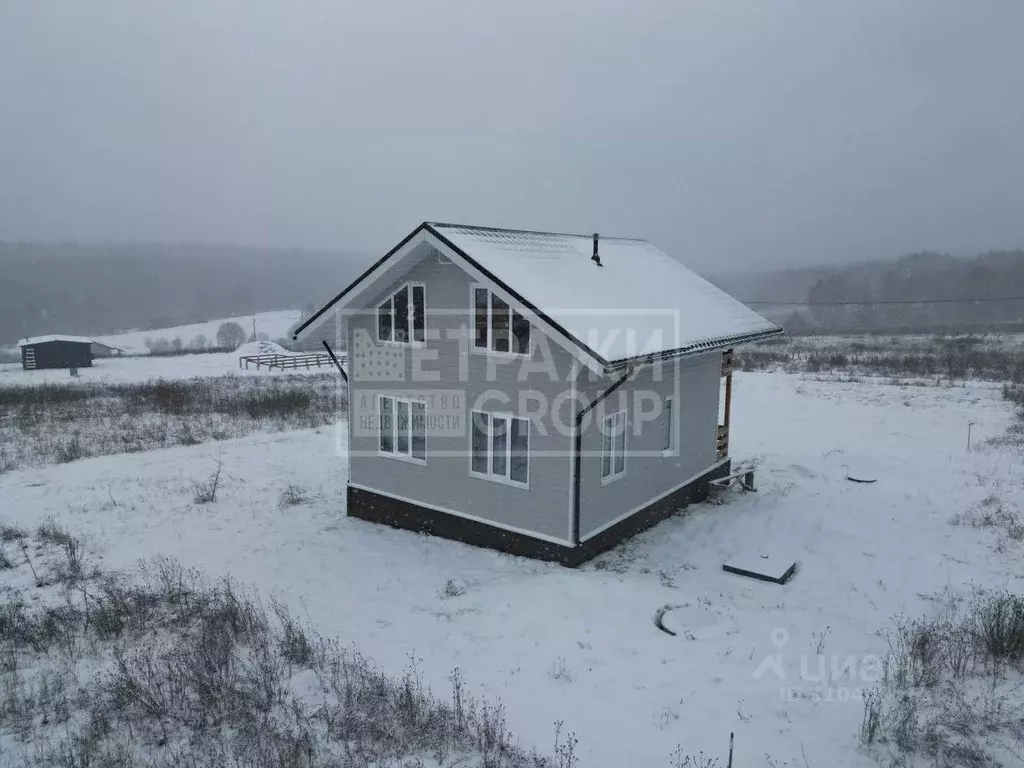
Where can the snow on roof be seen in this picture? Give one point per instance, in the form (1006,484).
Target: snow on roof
(56,337)
(640,301)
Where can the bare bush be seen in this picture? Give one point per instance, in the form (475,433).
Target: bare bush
(871,721)
(453,588)
(999,624)
(565,748)
(186,667)
(72,449)
(945,693)
(117,606)
(15,627)
(38,630)
(205,491)
(560,672)
(51,532)
(292,495)
(295,645)
(680,760)
(992,512)
(187,434)
(916,650)
(70,568)
(1014,392)
(9,532)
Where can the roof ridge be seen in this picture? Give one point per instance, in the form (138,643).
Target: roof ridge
(480,228)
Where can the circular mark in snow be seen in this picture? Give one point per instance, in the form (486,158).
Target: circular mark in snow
(693,621)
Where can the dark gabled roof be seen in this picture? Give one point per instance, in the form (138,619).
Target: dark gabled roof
(636,290)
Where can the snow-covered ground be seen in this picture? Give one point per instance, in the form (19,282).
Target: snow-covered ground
(580,645)
(275,325)
(128,369)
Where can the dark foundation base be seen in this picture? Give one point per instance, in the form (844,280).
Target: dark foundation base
(378,508)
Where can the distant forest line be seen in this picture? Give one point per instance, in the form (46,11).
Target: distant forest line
(102,289)
(946,287)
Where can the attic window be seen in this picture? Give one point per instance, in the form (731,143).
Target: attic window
(401,318)
(498,327)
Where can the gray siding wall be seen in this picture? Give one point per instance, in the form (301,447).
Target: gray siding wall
(694,384)
(544,507)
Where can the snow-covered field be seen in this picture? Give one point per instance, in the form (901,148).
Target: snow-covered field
(580,645)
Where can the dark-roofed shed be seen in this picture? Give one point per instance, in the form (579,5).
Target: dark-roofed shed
(55,352)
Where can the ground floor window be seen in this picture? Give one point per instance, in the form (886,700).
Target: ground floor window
(403,428)
(613,446)
(500,447)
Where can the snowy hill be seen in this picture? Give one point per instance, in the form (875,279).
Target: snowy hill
(275,325)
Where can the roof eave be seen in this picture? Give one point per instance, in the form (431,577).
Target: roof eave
(702,347)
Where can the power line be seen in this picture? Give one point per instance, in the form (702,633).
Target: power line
(980,300)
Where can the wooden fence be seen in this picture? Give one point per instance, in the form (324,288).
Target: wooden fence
(285,362)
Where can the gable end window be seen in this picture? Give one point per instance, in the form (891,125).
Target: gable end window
(498,327)
(403,428)
(401,318)
(613,447)
(500,447)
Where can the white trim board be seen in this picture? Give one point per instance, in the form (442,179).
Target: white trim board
(572,452)
(653,500)
(474,518)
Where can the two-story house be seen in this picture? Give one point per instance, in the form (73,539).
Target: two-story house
(543,394)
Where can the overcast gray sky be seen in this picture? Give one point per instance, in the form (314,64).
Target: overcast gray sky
(735,134)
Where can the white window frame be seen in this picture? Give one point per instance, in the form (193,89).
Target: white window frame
(512,312)
(412,341)
(613,476)
(394,453)
(505,479)
(669,411)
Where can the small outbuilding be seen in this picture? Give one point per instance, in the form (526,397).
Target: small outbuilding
(56,351)
(99,349)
